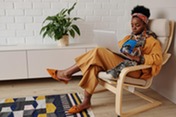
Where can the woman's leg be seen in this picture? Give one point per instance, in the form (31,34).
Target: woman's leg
(91,63)
(84,105)
(86,102)
(66,74)
(88,82)
(99,56)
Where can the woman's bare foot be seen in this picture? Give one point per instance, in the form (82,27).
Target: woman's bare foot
(79,108)
(84,105)
(59,75)
(62,75)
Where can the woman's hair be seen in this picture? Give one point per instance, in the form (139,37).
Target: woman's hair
(141,9)
(145,11)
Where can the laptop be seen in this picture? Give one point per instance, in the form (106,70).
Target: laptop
(107,39)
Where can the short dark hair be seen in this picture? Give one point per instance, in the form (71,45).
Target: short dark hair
(141,9)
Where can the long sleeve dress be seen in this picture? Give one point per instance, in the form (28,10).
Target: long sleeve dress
(102,59)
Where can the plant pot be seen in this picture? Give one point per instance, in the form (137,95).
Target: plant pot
(64,41)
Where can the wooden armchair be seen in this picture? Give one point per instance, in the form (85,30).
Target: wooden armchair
(164,29)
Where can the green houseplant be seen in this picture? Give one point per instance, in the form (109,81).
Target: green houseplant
(60,26)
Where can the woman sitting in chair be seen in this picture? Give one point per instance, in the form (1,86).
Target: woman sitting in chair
(141,47)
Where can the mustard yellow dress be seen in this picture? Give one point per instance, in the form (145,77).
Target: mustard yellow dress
(102,59)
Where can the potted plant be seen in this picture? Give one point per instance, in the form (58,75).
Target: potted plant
(60,26)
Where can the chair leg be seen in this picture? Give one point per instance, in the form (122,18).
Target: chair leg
(152,103)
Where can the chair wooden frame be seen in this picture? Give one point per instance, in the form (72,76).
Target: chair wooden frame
(117,87)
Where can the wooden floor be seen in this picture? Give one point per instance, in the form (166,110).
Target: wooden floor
(102,102)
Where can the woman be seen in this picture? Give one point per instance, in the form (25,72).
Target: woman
(102,59)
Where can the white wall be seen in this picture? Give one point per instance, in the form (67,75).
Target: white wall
(21,21)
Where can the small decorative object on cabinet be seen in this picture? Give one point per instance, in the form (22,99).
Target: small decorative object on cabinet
(60,26)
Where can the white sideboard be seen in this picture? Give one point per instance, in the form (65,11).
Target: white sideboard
(13,64)
(31,61)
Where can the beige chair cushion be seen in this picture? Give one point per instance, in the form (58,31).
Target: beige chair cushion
(161,28)
(163,41)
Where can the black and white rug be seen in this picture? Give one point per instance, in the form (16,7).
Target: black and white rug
(42,106)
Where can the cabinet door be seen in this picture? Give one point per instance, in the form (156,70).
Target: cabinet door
(39,60)
(13,65)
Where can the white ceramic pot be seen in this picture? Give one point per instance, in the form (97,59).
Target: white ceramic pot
(64,41)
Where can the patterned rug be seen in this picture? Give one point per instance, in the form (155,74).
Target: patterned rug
(43,106)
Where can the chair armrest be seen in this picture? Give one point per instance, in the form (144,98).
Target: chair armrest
(166,57)
(134,68)
(126,70)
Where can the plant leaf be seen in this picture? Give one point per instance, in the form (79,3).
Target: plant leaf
(75,27)
(72,33)
(68,23)
(50,18)
(62,12)
(43,29)
(44,34)
(76,18)
(69,10)
(58,35)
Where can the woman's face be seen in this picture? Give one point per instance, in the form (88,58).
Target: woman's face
(137,25)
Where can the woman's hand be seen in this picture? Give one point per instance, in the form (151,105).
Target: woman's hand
(134,58)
